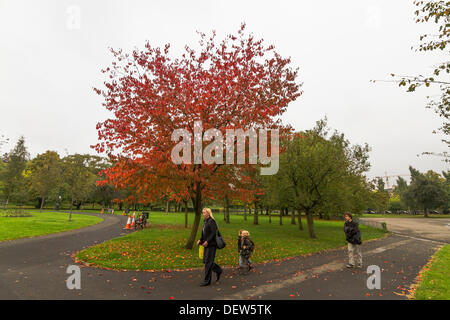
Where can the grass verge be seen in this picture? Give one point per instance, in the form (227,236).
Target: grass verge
(434,279)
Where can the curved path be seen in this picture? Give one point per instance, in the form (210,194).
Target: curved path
(36,269)
(427,228)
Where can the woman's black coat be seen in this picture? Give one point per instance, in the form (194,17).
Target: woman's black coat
(209,232)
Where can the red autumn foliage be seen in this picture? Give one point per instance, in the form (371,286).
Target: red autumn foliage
(239,83)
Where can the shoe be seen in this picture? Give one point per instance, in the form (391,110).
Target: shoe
(218,276)
(204,284)
(349,266)
(359,266)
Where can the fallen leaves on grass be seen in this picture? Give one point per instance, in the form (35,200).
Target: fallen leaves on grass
(152,250)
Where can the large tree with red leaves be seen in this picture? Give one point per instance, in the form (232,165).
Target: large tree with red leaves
(238,83)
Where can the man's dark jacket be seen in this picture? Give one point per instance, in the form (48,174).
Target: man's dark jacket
(209,232)
(352,233)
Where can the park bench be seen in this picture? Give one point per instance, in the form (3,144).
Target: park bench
(142,220)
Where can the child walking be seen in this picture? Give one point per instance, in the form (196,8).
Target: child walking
(245,249)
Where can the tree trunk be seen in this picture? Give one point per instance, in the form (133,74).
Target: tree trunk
(58,201)
(425,213)
(197,203)
(281,216)
(6,203)
(293,216)
(310,220)
(71,206)
(227,210)
(185,214)
(300,225)
(255,215)
(167,207)
(270,215)
(198,213)
(245,213)
(42,204)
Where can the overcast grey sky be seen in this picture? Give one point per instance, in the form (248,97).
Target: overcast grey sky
(51,54)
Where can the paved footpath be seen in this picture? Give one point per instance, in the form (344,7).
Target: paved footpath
(432,228)
(36,269)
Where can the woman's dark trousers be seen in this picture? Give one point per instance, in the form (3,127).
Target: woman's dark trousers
(208,259)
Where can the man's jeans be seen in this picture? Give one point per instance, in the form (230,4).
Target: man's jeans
(354,251)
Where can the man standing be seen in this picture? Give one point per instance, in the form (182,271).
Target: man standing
(353,237)
(208,240)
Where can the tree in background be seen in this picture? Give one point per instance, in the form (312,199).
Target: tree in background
(354,195)
(44,174)
(3,141)
(2,168)
(43,178)
(12,177)
(316,165)
(380,185)
(401,186)
(380,196)
(239,83)
(278,194)
(427,191)
(396,204)
(446,175)
(79,179)
(437,12)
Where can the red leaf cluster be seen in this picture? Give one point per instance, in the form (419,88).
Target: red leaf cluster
(237,83)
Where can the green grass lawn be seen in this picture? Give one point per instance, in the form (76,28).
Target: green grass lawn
(42,223)
(161,246)
(435,279)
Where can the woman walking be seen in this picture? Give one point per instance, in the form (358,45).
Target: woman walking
(208,240)
(353,237)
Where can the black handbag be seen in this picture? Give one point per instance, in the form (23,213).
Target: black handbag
(219,241)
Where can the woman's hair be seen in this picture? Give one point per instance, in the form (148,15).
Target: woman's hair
(245,233)
(240,232)
(348,214)
(209,212)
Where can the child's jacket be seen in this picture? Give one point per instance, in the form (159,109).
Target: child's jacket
(247,247)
